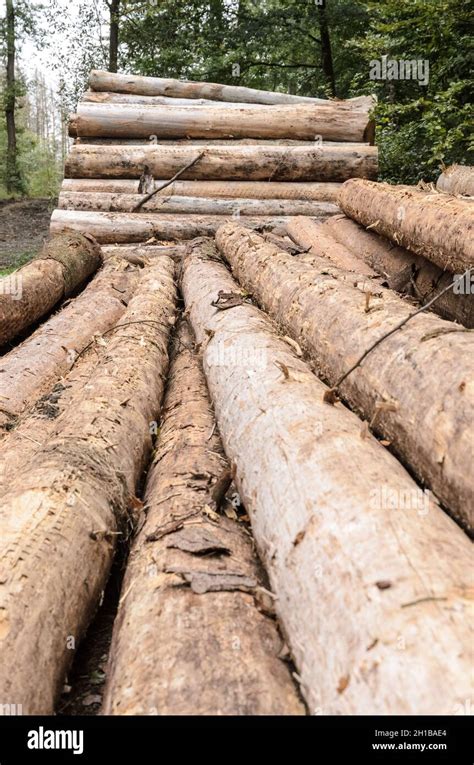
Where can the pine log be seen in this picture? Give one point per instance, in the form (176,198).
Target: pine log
(311,236)
(306,122)
(116,228)
(204,142)
(415,388)
(437,227)
(457,179)
(405,272)
(103,202)
(64,263)
(360,588)
(158,86)
(97,97)
(320,192)
(226,163)
(30,370)
(62,515)
(193,581)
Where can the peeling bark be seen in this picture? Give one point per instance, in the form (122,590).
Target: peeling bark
(457,179)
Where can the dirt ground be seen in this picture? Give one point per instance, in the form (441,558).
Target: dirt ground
(24,226)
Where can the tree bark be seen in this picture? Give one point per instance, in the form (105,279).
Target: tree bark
(326,51)
(428,224)
(190,599)
(333,121)
(33,367)
(457,179)
(192,205)
(341,543)
(126,228)
(13,178)
(413,388)
(157,86)
(405,272)
(312,236)
(62,515)
(114,10)
(226,163)
(319,192)
(64,263)
(143,255)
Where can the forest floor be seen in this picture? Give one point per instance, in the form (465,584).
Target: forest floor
(24,226)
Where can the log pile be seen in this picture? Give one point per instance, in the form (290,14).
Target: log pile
(275,418)
(229,152)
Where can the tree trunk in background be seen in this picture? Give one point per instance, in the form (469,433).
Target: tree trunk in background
(114,8)
(326,52)
(13,180)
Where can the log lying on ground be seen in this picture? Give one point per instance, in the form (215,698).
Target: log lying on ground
(416,387)
(115,228)
(405,272)
(457,179)
(63,264)
(343,541)
(158,86)
(319,192)
(311,235)
(225,163)
(193,581)
(333,121)
(437,227)
(31,369)
(63,514)
(70,200)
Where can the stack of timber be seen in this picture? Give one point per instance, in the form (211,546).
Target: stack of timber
(231,152)
(268,416)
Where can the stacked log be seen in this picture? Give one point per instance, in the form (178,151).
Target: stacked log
(47,354)
(404,271)
(432,225)
(62,514)
(398,387)
(341,544)
(457,179)
(270,152)
(63,264)
(185,568)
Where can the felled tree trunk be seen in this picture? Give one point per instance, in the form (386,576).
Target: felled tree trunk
(414,388)
(225,163)
(193,580)
(429,224)
(61,517)
(104,97)
(192,205)
(457,179)
(143,255)
(317,494)
(64,263)
(405,272)
(319,192)
(29,370)
(158,86)
(311,236)
(115,228)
